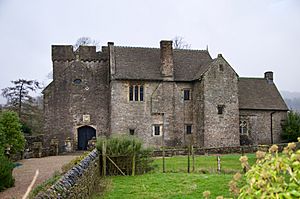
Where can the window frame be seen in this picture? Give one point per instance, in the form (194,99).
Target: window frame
(136,92)
(243,124)
(154,128)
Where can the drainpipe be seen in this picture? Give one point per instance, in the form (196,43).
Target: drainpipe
(272,126)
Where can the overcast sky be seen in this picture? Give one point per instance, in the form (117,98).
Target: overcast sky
(253,36)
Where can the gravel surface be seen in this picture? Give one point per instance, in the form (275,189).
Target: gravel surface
(24,174)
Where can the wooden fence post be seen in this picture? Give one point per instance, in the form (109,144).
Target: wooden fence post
(219,164)
(133,164)
(104,157)
(164,164)
(189,153)
(193,158)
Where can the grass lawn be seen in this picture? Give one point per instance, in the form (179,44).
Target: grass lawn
(177,183)
(167,185)
(203,164)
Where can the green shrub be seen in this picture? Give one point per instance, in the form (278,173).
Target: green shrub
(6,178)
(10,132)
(120,145)
(274,175)
(126,151)
(291,127)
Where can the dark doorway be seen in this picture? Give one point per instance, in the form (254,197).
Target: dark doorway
(85,133)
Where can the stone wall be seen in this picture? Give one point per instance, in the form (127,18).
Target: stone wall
(220,150)
(79,182)
(33,146)
(79,90)
(198,113)
(259,121)
(163,104)
(221,89)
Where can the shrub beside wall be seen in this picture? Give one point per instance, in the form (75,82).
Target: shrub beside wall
(6,178)
(79,182)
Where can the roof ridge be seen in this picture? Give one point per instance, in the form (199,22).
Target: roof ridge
(146,47)
(139,47)
(259,78)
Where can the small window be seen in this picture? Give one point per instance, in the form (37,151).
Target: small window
(220,109)
(131,131)
(136,93)
(77,81)
(157,128)
(130,93)
(186,94)
(141,93)
(188,129)
(221,67)
(243,127)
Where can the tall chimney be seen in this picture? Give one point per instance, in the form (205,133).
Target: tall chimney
(111,56)
(269,77)
(166,58)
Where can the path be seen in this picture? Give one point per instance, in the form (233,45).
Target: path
(24,174)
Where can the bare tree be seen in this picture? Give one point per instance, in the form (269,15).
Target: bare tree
(180,43)
(86,41)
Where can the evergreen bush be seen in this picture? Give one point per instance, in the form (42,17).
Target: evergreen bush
(6,178)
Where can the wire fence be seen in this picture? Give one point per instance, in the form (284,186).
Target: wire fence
(189,159)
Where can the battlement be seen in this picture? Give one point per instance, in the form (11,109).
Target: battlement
(66,53)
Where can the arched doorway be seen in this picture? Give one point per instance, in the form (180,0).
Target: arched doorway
(85,133)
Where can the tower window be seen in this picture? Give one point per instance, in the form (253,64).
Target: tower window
(221,67)
(220,109)
(77,81)
(131,131)
(187,94)
(188,129)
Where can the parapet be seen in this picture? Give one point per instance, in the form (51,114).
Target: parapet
(66,53)
(62,53)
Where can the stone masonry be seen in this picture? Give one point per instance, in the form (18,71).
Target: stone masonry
(164,96)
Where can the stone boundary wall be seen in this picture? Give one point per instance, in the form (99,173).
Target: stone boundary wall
(79,182)
(221,150)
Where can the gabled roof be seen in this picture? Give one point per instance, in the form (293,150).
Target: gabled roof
(259,94)
(144,63)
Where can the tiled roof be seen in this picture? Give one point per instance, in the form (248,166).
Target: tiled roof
(257,93)
(144,63)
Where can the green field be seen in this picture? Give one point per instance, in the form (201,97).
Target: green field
(167,185)
(177,183)
(203,164)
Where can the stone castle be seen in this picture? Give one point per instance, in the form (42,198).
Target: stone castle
(164,96)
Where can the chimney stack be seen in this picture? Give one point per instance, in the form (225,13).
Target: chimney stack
(269,77)
(111,56)
(166,57)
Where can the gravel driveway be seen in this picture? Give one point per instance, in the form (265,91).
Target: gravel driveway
(24,174)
